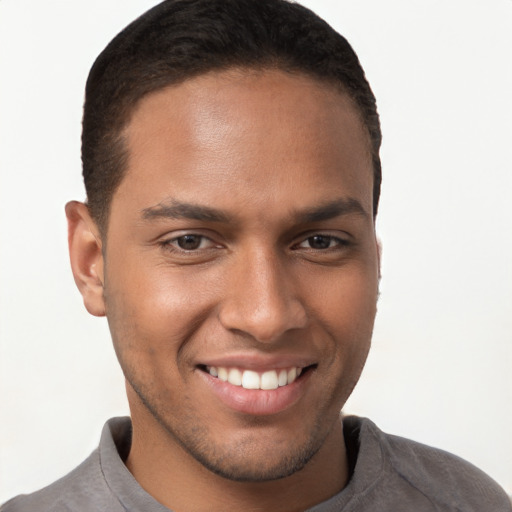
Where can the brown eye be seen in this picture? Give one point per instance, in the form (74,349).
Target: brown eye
(189,242)
(320,241)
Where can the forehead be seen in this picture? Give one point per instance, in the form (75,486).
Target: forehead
(254,133)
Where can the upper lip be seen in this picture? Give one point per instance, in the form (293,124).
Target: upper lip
(258,362)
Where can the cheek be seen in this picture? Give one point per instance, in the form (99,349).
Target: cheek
(347,301)
(156,311)
(347,314)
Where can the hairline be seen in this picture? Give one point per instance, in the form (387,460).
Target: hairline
(132,102)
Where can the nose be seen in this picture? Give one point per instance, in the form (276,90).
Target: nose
(261,299)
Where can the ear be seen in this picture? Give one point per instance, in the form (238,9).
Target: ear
(379,255)
(85,252)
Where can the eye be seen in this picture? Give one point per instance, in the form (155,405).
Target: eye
(188,242)
(321,242)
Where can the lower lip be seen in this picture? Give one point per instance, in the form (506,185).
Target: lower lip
(257,402)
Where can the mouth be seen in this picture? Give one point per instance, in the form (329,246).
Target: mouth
(249,379)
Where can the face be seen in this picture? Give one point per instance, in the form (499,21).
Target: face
(241,267)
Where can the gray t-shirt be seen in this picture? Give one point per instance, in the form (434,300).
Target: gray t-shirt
(388,474)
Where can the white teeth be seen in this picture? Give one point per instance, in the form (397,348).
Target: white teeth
(249,379)
(269,380)
(235,377)
(223,374)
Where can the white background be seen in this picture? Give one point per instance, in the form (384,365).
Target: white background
(441,367)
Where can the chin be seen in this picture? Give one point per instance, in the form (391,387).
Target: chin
(242,463)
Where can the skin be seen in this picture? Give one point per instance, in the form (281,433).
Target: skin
(266,150)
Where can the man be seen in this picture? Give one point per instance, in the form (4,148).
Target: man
(231,160)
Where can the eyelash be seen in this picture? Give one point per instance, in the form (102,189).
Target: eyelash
(339,242)
(173,243)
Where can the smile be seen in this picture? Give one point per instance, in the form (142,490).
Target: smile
(258,390)
(249,379)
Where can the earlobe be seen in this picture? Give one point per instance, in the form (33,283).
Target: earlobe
(85,252)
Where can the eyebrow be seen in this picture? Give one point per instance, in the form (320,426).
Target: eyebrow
(175,209)
(178,210)
(331,210)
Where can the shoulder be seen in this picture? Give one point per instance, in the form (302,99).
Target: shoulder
(443,478)
(86,488)
(82,489)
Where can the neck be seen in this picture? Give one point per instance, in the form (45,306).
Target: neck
(175,479)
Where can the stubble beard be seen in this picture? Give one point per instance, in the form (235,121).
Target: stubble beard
(239,461)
